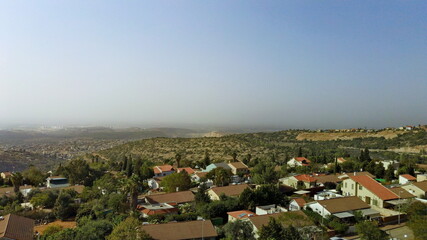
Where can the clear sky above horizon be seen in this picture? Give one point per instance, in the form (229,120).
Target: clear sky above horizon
(282,64)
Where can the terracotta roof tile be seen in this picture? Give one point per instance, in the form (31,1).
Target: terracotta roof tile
(375,187)
(163,168)
(305,178)
(300,201)
(241,214)
(238,165)
(409,177)
(402,192)
(421,185)
(189,170)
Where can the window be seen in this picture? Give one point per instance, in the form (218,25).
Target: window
(352,186)
(375,202)
(345,184)
(360,187)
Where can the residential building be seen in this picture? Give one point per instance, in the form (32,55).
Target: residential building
(327,194)
(421,177)
(194,230)
(269,209)
(156,209)
(197,176)
(238,168)
(347,175)
(341,160)
(175,198)
(298,162)
(369,190)
(297,204)
(212,166)
(230,191)
(239,215)
(307,181)
(328,178)
(419,189)
(406,178)
(164,170)
(189,170)
(57,182)
(14,227)
(342,208)
(6,175)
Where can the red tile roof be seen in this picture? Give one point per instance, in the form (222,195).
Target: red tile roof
(163,168)
(241,214)
(409,177)
(305,178)
(300,159)
(341,160)
(189,170)
(181,230)
(300,201)
(151,212)
(375,187)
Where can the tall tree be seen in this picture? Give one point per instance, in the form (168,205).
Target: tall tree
(132,186)
(178,158)
(238,230)
(130,228)
(16,179)
(176,182)
(368,230)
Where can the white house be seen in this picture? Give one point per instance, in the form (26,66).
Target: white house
(327,194)
(298,161)
(164,170)
(406,178)
(57,182)
(269,209)
(297,204)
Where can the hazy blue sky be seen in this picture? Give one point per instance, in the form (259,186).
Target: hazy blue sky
(214,63)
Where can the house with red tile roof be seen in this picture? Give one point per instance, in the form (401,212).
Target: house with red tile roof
(239,215)
(298,162)
(308,181)
(297,204)
(189,170)
(156,209)
(164,170)
(341,160)
(369,190)
(406,178)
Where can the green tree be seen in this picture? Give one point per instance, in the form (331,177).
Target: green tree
(78,172)
(201,196)
(129,229)
(238,230)
(34,176)
(129,168)
(50,230)
(418,225)
(146,172)
(220,176)
(178,158)
(65,234)
(389,174)
(63,207)
(176,182)
(44,199)
(273,230)
(379,170)
(132,186)
(94,230)
(16,179)
(368,230)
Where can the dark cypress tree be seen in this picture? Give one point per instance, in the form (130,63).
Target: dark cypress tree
(125,163)
(367,156)
(129,168)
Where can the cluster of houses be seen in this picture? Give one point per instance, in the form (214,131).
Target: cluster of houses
(359,193)
(14,227)
(344,196)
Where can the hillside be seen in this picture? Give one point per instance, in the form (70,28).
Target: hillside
(278,145)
